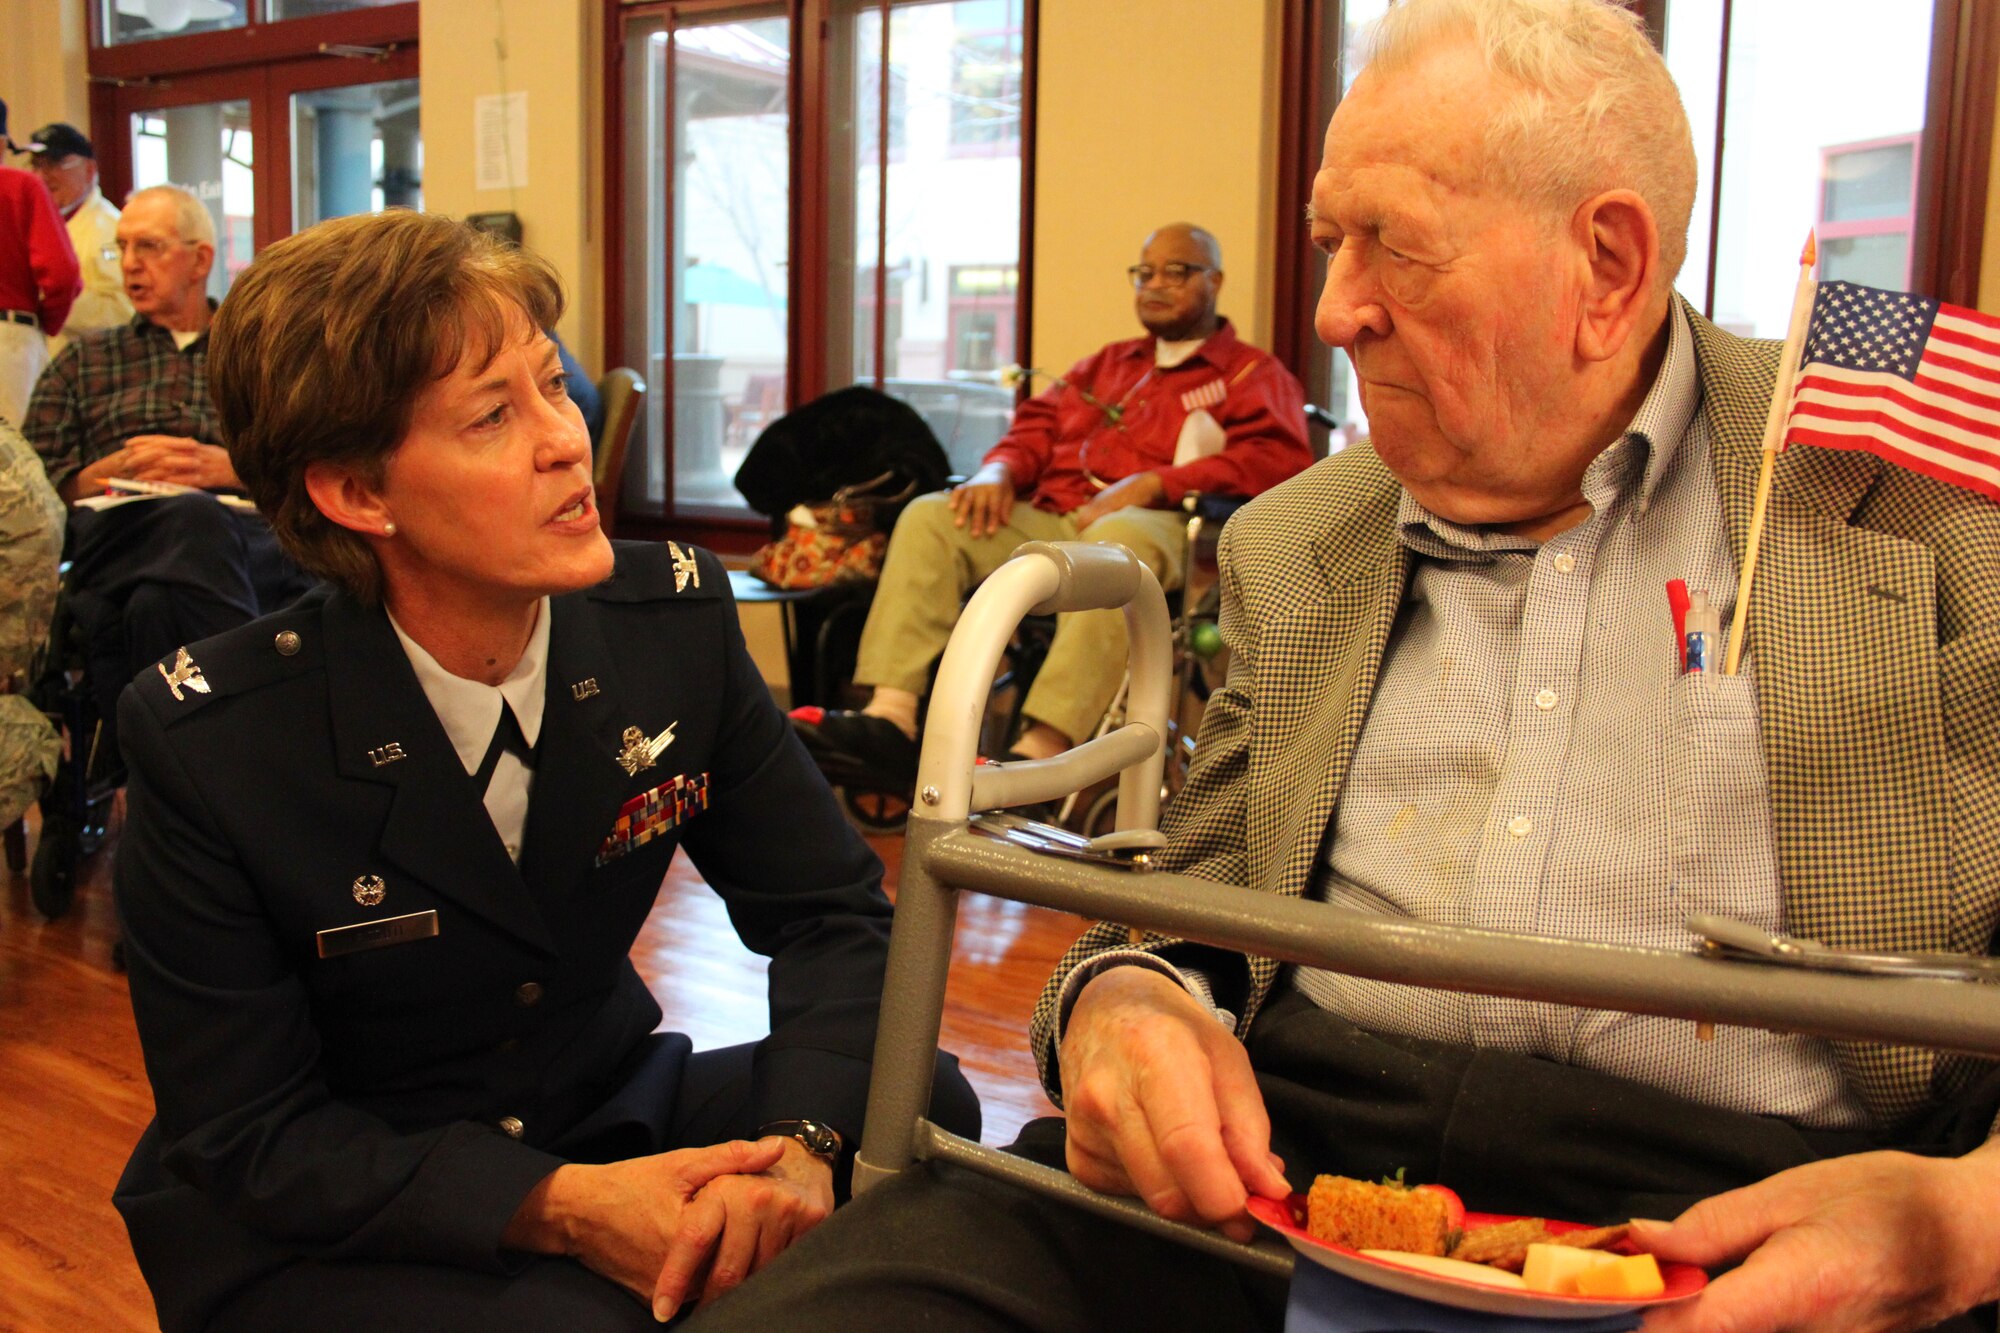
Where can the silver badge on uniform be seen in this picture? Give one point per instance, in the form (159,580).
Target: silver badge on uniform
(185,672)
(686,571)
(375,934)
(636,752)
(369,890)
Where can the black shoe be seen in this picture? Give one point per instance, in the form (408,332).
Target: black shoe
(856,750)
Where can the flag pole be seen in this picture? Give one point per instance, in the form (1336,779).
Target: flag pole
(1774,442)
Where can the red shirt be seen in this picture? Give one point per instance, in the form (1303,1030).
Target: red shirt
(38,271)
(1257,403)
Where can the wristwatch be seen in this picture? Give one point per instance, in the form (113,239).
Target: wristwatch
(821,1140)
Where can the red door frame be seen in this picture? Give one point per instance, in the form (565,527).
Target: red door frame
(262,63)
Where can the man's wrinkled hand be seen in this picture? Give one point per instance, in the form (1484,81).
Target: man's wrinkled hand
(178,459)
(1879,1241)
(747,1220)
(1140,490)
(985,502)
(1162,1103)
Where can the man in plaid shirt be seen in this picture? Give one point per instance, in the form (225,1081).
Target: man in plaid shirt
(131,403)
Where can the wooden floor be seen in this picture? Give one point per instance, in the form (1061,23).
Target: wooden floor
(73,1091)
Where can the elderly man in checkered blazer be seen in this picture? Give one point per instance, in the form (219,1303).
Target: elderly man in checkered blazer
(1455,694)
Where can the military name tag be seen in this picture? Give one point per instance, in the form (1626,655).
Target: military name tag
(376,934)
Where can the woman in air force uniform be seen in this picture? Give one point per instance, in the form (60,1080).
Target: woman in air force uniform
(387,851)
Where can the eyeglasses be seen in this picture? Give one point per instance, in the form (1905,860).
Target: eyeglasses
(146,247)
(1175,274)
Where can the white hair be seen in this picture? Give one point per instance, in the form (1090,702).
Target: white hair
(192,219)
(1597,109)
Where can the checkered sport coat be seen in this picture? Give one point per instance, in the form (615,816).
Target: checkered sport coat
(1875,624)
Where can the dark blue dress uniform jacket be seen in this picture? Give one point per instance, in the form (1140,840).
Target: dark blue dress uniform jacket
(360,1106)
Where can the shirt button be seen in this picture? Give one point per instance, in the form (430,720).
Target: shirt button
(1520,826)
(514,851)
(511,1126)
(1565,562)
(1545,700)
(528,993)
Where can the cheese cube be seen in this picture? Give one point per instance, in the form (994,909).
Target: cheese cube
(1637,1276)
(1554,1268)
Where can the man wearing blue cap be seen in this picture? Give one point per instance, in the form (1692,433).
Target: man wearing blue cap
(67,164)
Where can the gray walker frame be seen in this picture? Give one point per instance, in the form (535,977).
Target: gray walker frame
(949,852)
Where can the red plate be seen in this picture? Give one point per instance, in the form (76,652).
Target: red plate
(1288,1219)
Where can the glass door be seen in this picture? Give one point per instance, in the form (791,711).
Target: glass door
(204,135)
(708,166)
(273,150)
(355,149)
(347,134)
(927,186)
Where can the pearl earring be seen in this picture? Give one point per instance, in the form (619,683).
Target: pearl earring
(388,529)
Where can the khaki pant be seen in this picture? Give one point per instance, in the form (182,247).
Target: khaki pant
(23,353)
(932,564)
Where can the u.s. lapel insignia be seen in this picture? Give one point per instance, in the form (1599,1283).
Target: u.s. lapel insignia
(369,890)
(635,751)
(185,672)
(387,754)
(686,571)
(583,689)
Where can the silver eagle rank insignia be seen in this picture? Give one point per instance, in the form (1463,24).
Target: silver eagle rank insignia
(185,672)
(686,571)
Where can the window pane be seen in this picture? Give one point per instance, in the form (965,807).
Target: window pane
(1866,183)
(1357,17)
(1802,98)
(708,126)
(947,298)
(355,150)
(143,20)
(206,150)
(1881,260)
(1693,47)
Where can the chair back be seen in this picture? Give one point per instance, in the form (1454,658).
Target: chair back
(624,394)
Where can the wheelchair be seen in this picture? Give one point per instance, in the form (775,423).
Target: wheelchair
(76,805)
(1198,666)
(1197,645)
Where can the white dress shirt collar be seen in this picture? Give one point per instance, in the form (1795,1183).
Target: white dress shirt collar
(470,709)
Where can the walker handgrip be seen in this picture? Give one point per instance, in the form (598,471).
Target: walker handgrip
(1092,575)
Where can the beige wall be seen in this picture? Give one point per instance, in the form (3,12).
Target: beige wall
(43,47)
(548,49)
(1149,111)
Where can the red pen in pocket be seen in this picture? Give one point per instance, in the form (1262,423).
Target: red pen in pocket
(1678,602)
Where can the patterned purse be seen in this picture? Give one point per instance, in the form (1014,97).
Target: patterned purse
(839,541)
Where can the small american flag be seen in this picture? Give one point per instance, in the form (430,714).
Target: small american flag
(1912,380)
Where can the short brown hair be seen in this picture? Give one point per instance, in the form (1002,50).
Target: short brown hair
(327,340)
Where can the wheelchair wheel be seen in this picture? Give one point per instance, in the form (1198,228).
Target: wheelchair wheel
(52,878)
(1101,817)
(876,811)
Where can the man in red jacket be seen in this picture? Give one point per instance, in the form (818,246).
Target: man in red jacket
(1105,454)
(38,280)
